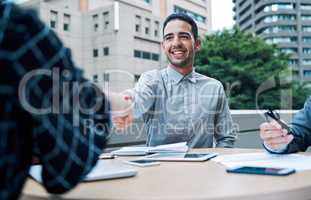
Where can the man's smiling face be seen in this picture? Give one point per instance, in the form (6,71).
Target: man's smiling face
(179,44)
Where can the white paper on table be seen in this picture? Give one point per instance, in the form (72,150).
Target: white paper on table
(296,161)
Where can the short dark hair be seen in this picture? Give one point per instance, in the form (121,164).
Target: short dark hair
(182,17)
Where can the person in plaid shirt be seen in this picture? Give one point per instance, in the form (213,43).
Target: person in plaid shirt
(47,109)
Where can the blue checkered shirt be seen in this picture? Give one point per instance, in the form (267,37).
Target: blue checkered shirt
(66,140)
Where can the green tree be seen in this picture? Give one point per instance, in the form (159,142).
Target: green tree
(248,66)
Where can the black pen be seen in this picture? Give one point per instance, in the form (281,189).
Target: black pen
(276,117)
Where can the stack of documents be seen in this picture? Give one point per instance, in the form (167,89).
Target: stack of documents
(296,161)
(140,151)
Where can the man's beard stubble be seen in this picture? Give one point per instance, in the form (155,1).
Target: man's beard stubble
(183,64)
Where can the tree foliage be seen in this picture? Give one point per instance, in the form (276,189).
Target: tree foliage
(255,74)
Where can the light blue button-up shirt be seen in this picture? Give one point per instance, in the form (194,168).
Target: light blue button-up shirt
(177,108)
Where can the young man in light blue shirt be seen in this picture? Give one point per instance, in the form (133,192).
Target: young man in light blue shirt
(178,104)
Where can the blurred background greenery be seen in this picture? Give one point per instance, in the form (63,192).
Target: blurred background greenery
(254,74)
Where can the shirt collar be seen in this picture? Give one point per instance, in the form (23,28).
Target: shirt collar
(176,77)
(191,77)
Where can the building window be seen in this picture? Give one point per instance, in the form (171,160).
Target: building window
(306,50)
(137,23)
(195,16)
(106,20)
(137,54)
(53,19)
(306,39)
(279,6)
(277,29)
(106,77)
(245,10)
(136,77)
(306,28)
(276,40)
(293,62)
(147,26)
(95,23)
(147,1)
(247,19)
(305,6)
(295,73)
(106,51)
(66,22)
(95,78)
(155,57)
(242,3)
(95,53)
(305,17)
(95,27)
(307,73)
(137,28)
(275,18)
(156,28)
(146,55)
(306,61)
(289,50)
(53,24)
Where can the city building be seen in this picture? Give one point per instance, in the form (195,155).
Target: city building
(286,23)
(114,41)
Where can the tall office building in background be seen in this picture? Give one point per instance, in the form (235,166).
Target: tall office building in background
(286,23)
(117,40)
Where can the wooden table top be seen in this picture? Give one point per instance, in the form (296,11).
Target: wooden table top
(187,180)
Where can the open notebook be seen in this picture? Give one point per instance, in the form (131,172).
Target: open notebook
(140,151)
(104,169)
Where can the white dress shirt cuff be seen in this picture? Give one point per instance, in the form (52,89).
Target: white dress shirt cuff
(279,150)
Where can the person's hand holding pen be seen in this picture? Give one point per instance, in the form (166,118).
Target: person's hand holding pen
(275,134)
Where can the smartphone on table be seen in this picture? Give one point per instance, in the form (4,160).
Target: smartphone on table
(142,163)
(262,170)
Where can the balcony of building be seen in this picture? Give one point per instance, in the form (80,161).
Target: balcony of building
(264,25)
(289,16)
(262,3)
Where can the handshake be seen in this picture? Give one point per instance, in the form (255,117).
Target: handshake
(121,109)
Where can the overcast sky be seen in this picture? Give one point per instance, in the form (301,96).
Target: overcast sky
(222,14)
